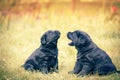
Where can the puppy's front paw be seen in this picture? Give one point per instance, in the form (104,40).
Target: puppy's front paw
(28,67)
(44,70)
(71,72)
(81,75)
(56,71)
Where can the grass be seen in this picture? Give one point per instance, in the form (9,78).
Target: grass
(23,37)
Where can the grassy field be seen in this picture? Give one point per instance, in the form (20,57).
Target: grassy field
(23,37)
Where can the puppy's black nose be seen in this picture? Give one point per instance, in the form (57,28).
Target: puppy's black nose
(69,34)
(57,32)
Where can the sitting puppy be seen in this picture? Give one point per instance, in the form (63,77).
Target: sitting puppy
(90,58)
(45,58)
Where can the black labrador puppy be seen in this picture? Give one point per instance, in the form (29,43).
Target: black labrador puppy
(90,58)
(45,58)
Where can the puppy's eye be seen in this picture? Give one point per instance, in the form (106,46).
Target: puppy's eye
(74,36)
(81,37)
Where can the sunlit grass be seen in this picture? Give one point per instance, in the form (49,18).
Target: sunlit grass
(23,37)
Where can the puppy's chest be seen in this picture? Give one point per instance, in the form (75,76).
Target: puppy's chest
(47,54)
(45,58)
(86,58)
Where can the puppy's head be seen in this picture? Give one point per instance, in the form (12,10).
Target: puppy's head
(78,38)
(50,38)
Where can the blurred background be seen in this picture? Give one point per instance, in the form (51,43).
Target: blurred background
(11,9)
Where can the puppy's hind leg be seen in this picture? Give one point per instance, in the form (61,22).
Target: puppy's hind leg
(105,70)
(30,65)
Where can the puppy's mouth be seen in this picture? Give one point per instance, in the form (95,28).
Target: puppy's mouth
(53,41)
(71,43)
(57,37)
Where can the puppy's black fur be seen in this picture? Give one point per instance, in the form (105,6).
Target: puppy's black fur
(45,58)
(90,58)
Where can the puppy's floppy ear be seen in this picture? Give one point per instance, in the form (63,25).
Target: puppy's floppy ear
(78,33)
(84,39)
(43,39)
(81,40)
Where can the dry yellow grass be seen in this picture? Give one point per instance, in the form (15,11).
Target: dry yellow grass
(23,37)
